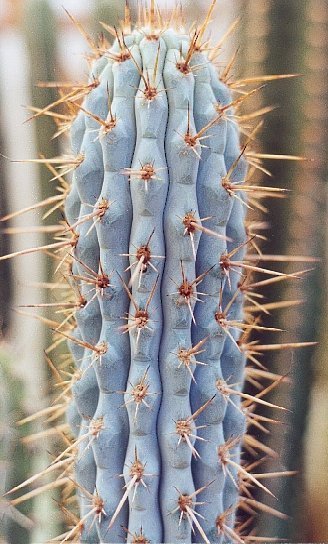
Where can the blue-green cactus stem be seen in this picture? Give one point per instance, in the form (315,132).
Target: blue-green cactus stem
(154,220)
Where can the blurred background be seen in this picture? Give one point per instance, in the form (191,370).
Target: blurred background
(38,42)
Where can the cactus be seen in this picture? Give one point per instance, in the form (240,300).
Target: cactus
(314,216)
(151,195)
(155,240)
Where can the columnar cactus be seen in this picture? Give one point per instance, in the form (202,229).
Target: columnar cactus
(15,526)
(155,223)
(156,241)
(270,28)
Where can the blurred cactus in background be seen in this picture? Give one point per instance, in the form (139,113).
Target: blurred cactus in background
(313,205)
(15,462)
(5,277)
(39,26)
(291,37)
(29,41)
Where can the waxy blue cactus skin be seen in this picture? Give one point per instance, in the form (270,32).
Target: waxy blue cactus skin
(142,323)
